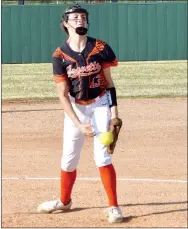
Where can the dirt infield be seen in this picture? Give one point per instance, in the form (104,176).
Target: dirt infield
(150,161)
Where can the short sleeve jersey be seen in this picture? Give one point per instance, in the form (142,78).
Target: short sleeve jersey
(83,71)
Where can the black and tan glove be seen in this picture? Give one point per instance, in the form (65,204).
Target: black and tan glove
(114,127)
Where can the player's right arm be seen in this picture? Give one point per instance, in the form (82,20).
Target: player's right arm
(63,90)
(61,79)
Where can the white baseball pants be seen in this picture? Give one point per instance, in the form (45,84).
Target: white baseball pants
(98,114)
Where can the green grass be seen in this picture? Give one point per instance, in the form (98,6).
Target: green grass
(151,79)
(132,79)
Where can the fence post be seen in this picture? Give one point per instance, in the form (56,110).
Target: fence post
(20,2)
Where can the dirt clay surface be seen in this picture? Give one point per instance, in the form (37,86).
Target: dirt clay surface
(150,161)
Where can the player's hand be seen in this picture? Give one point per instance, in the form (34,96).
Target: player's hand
(87,130)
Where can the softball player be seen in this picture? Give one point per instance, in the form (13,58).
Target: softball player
(81,68)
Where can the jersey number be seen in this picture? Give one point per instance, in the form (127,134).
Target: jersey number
(95,82)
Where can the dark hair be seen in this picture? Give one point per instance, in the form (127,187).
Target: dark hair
(73,9)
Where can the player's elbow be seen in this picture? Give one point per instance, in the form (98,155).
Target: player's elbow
(63,90)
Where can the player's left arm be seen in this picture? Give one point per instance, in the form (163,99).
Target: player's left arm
(115,122)
(108,77)
(109,60)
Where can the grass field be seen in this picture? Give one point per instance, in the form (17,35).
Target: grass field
(132,79)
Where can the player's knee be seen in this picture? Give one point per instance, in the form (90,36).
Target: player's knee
(69,163)
(103,161)
(68,167)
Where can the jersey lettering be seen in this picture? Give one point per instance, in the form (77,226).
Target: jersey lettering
(87,70)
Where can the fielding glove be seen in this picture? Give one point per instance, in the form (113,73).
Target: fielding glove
(114,127)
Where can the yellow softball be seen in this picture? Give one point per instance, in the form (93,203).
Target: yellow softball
(106,138)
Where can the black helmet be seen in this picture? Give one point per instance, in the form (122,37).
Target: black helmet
(74,9)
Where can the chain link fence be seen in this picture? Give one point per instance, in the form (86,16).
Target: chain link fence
(28,2)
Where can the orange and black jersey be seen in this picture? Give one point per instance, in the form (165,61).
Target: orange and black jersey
(83,71)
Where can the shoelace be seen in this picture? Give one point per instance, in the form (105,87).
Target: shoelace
(115,211)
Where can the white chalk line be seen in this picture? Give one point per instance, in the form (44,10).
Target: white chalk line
(96,179)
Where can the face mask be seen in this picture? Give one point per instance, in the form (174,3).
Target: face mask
(81,30)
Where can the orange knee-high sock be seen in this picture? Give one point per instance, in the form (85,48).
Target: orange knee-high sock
(108,177)
(67,182)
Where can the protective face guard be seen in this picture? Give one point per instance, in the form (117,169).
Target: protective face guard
(75,9)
